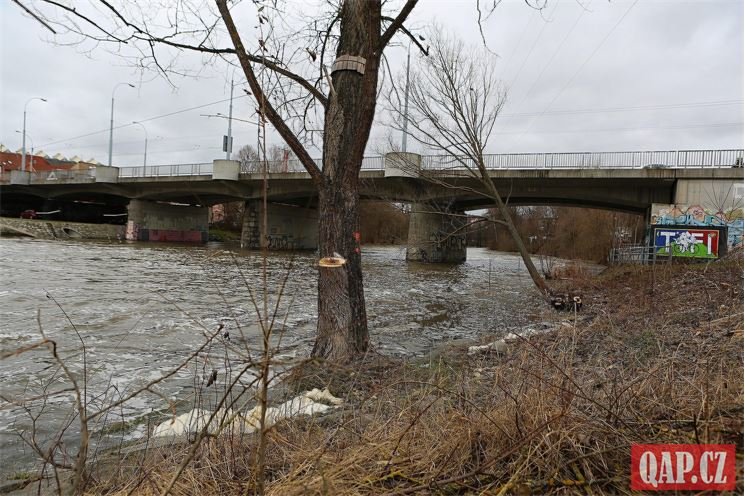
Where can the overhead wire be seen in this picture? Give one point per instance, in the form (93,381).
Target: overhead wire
(556,52)
(627,109)
(140,120)
(530,52)
(636,128)
(579,69)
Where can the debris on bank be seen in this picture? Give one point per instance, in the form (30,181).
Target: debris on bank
(498,346)
(308,403)
(566,301)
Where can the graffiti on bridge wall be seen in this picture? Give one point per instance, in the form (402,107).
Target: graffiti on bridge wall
(700,216)
(280,242)
(682,241)
(443,247)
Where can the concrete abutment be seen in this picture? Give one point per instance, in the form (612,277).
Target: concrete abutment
(152,221)
(437,234)
(289,227)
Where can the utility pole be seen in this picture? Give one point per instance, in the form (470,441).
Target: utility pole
(229,140)
(23,155)
(144,159)
(406,100)
(111,122)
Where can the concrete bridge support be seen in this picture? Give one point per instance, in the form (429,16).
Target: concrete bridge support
(152,221)
(289,227)
(435,236)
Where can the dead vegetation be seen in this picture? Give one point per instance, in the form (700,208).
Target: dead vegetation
(655,357)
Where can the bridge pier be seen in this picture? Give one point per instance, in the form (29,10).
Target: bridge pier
(435,236)
(289,227)
(152,221)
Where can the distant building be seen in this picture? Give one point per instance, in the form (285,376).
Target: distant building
(40,162)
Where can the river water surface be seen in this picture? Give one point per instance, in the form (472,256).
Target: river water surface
(141,309)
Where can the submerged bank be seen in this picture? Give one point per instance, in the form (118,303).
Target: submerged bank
(655,356)
(61,230)
(143,308)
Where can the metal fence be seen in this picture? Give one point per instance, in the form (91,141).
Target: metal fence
(294,165)
(673,159)
(638,254)
(201,169)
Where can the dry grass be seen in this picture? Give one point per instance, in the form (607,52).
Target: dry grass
(655,357)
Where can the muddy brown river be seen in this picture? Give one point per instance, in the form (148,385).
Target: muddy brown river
(140,309)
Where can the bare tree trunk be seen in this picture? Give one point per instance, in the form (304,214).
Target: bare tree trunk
(539,281)
(342,320)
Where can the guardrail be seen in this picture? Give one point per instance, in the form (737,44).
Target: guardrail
(294,165)
(638,254)
(200,169)
(673,159)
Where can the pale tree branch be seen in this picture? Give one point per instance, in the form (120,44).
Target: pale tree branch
(279,124)
(455,100)
(143,34)
(397,23)
(417,40)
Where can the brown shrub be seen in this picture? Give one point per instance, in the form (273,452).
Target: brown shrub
(655,357)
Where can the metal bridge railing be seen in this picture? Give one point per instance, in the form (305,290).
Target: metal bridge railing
(294,165)
(672,159)
(201,169)
(659,159)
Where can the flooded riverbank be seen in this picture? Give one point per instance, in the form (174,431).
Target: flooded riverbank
(141,309)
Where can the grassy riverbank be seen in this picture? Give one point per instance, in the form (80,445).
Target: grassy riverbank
(655,356)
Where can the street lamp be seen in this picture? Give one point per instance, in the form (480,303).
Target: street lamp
(230,138)
(31,163)
(111,124)
(223,116)
(144,160)
(23,156)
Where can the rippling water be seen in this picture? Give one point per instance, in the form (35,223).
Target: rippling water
(141,309)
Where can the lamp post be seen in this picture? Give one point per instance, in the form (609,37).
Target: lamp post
(111,123)
(23,155)
(406,100)
(231,118)
(31,163)
(144,160)
(229,141)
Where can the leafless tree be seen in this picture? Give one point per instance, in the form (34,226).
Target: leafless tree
(278,159)
(330,75)
(454,101)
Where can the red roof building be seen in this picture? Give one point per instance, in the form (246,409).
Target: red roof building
(12,161)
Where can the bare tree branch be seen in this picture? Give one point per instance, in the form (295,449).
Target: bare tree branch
(276,120)
(32,14)
(397,23)
(455,100)
(414,38)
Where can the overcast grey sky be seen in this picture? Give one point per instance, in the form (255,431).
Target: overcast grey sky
(618,75)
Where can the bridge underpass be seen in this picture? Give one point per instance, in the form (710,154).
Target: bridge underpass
(173,207)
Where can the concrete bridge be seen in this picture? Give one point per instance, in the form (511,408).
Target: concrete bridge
(169,202)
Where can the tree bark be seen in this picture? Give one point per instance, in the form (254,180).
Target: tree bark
(342,320)
(505,213)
